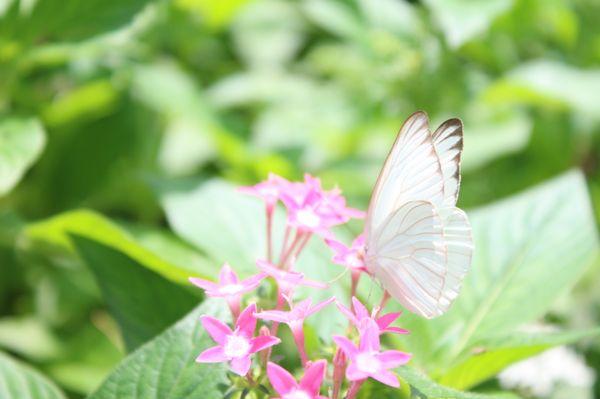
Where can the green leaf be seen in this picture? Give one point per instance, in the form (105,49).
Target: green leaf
(530,249)
(142,302)
(489,139)
(21,143)
(422,387)
(54,231)
(462,20)
(18,380)
(543,83)
(490,356)
(59,20)
(29,337)
(165,367)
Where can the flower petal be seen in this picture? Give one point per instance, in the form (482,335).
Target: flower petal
(369,339)
(387,378)
(346,345)
(281,380)
(263,342)
(395,330)
(387,319)
(274,315)
(204,284)
(348,313)
(216,329)
(313,377)
(212,355)
(241,365)
(316,308)
(227,275)
(246,322)
(392,359)
(253,281)
(360,310)
(354,374)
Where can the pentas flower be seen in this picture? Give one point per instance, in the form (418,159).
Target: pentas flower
(361,318)
(313,210)
(269,190)
(229,287)
(366,360)
(351,257)
(294,318)
(287,281)
(286,386)
(235,346)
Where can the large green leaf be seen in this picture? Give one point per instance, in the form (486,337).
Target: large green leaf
(528,250)
(20,381)
(165,367)
(149,249)
(21,143)
(490,356)
(142,302)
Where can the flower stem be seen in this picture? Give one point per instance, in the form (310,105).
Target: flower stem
(269,211)
(384,300)
(354,388)
(298,334)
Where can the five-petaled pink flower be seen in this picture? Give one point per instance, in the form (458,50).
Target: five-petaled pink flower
(269,190)
(314,210)
(294,318)
(286,386)
(367,361)
(229,287)
(351,257)
(235,346)
(287,281)
(361,318)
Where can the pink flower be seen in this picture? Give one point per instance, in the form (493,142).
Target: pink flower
(286,386)
(352,257)
(229,286)
(367,361)
(313,210)
(361,318)
(235,346)
(269,190)
(287,281)
(295,320)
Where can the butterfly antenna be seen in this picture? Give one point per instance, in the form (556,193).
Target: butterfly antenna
(339,276)
(371,289)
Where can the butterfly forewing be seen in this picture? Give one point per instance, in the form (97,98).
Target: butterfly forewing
(411,172)
(448,144)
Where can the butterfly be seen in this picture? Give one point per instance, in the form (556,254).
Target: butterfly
(418,244)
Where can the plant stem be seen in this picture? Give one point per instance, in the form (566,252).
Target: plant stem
(354,388)
(269,211)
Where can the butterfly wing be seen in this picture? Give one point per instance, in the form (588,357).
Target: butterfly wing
(409,256)
(411,172)
(448,144)
(418,244)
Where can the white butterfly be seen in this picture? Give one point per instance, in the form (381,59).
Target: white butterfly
(418,244)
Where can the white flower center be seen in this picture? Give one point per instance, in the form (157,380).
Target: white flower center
(236,346)
(368,363)
(308,218)
(230,289)
(297,394)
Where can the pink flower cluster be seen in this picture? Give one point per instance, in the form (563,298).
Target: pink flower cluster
(310,211)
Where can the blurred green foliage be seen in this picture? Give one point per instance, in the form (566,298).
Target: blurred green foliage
(122,107)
